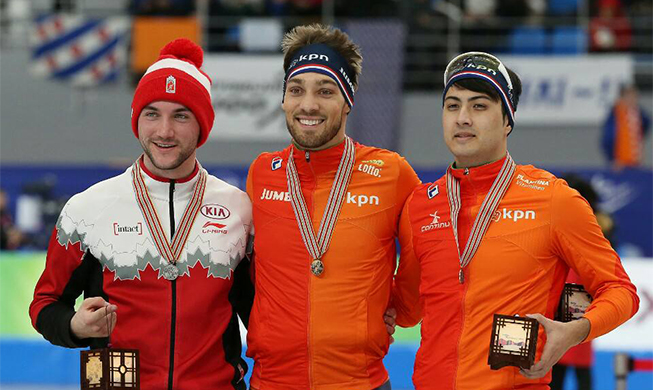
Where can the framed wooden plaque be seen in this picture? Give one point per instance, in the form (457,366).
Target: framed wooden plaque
(513,342)
(110,369)
(574,301)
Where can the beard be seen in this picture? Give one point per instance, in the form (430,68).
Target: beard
(183,155)
(314,140)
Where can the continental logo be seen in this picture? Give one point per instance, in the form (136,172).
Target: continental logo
(435,223)
(284,196)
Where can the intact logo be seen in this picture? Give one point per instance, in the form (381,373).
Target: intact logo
(214,227)
(375,162)
(513,215)
(276,163)
(215,211)
(124,229)
(171,84)
(432,191)
(435,223)
(369,169)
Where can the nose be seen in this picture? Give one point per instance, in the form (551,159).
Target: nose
(166,129)
(464,118)
(309,103)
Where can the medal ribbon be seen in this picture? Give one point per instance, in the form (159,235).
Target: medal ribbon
(170,252)
(317,247)
(488,207)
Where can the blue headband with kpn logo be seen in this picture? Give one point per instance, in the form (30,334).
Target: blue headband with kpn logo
(320,58)
(484,66)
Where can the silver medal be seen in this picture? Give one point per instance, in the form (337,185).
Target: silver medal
(170,271)
(317,267)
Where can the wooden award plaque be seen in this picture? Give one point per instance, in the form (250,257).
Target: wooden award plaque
(110,369)
(574,301)
(513,342)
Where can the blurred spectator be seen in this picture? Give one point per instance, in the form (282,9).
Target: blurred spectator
(162,7)
(610,29)
(625,129)
(581,357)
(10,236)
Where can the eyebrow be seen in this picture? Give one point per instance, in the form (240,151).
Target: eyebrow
(181,109)
(320,82)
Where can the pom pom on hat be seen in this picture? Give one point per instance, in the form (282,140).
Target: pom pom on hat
(176,77)
(184,49)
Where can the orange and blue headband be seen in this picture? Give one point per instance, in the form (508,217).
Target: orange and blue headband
(320,58)
(486,67)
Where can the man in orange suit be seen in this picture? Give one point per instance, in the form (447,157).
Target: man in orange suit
(326,212)
(494,237)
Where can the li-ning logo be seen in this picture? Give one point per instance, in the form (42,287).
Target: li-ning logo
(119,229)
(513,215)
(276,163)
(215,211)
(435,223)
(214,227)
(171,84)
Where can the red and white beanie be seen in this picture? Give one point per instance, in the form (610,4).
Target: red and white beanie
(176,77)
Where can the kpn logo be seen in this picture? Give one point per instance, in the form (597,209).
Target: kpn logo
(513,215)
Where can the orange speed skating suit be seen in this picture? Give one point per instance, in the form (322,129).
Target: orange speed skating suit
(540,229)
(327,332)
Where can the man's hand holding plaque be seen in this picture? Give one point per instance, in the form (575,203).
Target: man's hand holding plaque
(560,336)
(95,318)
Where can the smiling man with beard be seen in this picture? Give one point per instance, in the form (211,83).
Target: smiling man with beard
(494,237)
(326,215)
(140,246)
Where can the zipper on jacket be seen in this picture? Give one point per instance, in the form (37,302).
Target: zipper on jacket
(307,154)
(173,311)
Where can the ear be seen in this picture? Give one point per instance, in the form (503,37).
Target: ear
(506,126)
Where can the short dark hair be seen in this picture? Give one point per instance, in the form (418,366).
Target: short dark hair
(480,86)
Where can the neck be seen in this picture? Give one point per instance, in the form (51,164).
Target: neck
(461,163)
(182,171)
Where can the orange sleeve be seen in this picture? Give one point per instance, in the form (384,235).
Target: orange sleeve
(405,291)
(579,241)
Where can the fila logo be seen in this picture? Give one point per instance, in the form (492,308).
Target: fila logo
(171,84)
(118,229)
(276,163)
(214,227)
(370,170)
(215,211)
(435,223)
(432,191)
(514,215)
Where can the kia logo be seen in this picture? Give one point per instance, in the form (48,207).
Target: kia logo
(215,211)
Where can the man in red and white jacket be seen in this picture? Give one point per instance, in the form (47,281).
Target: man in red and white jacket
(157,250)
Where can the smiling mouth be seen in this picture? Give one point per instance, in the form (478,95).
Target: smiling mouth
(309,122)
(163,145)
